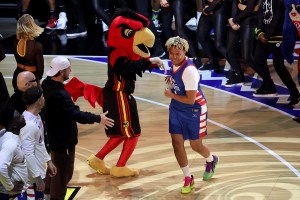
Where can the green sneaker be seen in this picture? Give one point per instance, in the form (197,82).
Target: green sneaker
(188,185)
(210,168)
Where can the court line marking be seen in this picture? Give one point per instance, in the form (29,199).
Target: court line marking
(240,96)
(282,160)
(278,157)
(248,99)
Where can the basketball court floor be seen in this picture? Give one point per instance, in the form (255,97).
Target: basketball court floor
(256,139)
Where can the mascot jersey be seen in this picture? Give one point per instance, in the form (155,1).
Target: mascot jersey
(128,40)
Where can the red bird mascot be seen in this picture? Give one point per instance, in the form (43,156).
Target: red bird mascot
(128,40)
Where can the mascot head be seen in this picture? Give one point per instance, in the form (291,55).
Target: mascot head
(128,31)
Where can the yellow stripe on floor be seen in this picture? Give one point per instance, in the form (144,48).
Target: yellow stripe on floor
(71,192)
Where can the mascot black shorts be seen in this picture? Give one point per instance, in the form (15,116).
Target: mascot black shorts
(122,108)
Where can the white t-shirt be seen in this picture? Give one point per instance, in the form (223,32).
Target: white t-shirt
(13,166)
(190,77)
(33,145)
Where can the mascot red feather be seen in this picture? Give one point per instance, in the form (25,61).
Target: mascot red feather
(128,40)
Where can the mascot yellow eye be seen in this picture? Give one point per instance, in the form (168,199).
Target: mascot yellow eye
(128,33)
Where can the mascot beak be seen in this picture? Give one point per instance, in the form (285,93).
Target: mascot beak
(143,40)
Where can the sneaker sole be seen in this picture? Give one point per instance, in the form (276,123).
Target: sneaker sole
(232,85)
(210,176)
(47,27)
(265,95)
(189,191)
(59,28)
(77,35)
(295,105)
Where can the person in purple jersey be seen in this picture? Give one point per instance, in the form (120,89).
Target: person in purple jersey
(187,111)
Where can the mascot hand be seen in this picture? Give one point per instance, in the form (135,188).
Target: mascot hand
(105,121)
(157,61)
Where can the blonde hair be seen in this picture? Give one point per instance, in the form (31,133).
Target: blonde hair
(178,43)
(27,28)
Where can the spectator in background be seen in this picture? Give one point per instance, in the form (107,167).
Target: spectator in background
(101,8)
(61,22)
(80,28)
(27,51)
(53,22)
(269,34)
(182,12)
(214,17)
(241,38)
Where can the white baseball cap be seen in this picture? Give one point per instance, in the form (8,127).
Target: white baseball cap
(58,63)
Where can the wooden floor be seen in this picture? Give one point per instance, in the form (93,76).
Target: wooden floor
(259,147)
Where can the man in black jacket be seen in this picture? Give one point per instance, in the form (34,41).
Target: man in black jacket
(61,116)
(269,34)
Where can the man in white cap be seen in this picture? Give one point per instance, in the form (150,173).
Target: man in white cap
(60,117)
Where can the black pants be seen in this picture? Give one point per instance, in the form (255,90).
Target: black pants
(64,162)
(217,22)
(101,7)
(78,14)
(262,52)
(241,41)
(182,10)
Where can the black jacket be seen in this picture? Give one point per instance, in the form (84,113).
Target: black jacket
(271,19)
(61,115)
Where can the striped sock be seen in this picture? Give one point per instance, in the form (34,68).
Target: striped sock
(30,193)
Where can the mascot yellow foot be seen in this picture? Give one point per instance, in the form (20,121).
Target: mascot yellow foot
(98,165)
(123,171)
